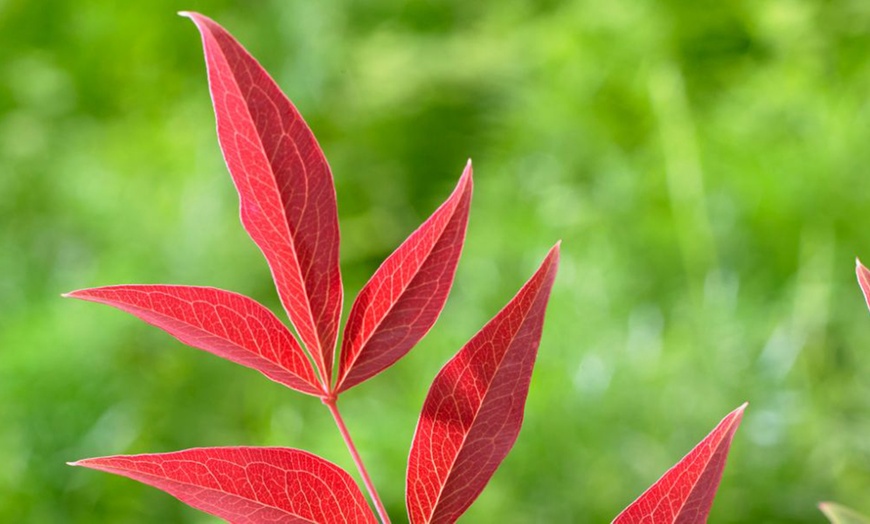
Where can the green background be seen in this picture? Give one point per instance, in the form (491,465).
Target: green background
(704,164)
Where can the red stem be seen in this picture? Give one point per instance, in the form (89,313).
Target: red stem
(370,487)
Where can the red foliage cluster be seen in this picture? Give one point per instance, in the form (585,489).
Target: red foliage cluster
(474,409)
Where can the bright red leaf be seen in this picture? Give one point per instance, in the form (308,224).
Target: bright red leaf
(286,192)
(248,485)
(401,302)
(863,280)
(474,409)
(226,324)
(684,494)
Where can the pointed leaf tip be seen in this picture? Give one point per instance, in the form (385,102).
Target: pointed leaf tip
(863,275)
(286,192)
(684,494)
(248,485)
(474,410)
(405,296)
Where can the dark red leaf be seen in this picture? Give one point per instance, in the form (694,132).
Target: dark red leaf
(863,280)
(474,409)
(286,192)
(401,302)
(248,485)
(685,492)
(227,324)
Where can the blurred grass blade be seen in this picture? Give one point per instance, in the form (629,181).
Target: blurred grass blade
(838,514)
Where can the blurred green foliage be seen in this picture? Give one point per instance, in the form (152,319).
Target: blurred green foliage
(704,163)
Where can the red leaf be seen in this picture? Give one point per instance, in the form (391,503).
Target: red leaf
(248,485)
(474,410)
(286,192)
(401,302)
(685,492)
(863,280)
(230,325)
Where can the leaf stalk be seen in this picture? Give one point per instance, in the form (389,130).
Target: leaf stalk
(331,404)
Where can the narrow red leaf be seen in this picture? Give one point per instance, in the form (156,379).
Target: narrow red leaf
(474,409)
(685,492)
(248,485)
(227,324)
(401,302)
(863,280)
(286,192)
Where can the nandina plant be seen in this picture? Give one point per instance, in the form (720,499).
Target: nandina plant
(474,409)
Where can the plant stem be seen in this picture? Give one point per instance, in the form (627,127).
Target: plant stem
(370,487)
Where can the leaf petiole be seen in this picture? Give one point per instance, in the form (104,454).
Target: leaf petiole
(330,403)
